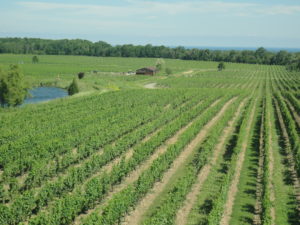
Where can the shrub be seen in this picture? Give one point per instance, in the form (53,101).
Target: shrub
(221,66)
(80,75)
(73,88)
(168,71)
(35,59)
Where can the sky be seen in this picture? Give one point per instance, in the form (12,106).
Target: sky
(227,23)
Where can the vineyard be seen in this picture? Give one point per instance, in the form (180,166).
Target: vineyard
(204,147)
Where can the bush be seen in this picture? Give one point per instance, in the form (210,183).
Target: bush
(80,75)
(221,66)
(12,87)
(73,88)
(35,59)
(168,71)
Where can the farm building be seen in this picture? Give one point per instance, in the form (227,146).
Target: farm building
(146,71)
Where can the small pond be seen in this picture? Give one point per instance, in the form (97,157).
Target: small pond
(41,94)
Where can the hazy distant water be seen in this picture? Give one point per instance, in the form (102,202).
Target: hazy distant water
(42,94)
(242,48)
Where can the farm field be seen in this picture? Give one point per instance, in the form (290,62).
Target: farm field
(200,146)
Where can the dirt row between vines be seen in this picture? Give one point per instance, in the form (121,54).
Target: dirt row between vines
(136,215)
(271,170)
(233,189)
(183,213)
(294,113)
(134,175)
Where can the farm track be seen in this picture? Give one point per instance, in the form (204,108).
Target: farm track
(135,217)
(235,181)
(289,157)
(191,198)
(133,176)
(271,169)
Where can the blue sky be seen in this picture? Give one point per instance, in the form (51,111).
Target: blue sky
(244,23)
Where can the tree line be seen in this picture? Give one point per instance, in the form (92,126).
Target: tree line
(101,48)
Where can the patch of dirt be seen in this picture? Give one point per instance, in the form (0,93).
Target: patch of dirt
(74,151)
(188,72)
(150,86)
(183,213)
(134,218)
(233,189)
(167,106)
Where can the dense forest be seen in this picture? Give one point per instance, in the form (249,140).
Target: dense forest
(100,48)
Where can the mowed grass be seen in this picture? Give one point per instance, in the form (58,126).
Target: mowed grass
(56,64)
(101,72)
(59,70)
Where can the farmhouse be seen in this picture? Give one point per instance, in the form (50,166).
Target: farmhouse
(146,71)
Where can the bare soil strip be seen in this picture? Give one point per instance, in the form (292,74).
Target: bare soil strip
(294,113)
(271,170)
(133,176)
(150,85)
(182,215)
(233,189)
(188,72)
(136,216)
(290,157)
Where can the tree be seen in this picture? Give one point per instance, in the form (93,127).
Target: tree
(12,87)
(221,66)
(168,71)
(73,88)
(35,59)
(80,75)
(260,53)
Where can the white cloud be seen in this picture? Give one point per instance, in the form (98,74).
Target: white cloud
(280,10)
(141,7)
(151,8)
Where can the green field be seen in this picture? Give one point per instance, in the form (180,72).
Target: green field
(201,146)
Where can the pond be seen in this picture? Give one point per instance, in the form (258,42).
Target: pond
(41,94)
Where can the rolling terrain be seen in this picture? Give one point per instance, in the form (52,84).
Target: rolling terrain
(200,146)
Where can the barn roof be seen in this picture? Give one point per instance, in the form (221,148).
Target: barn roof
(148,68)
